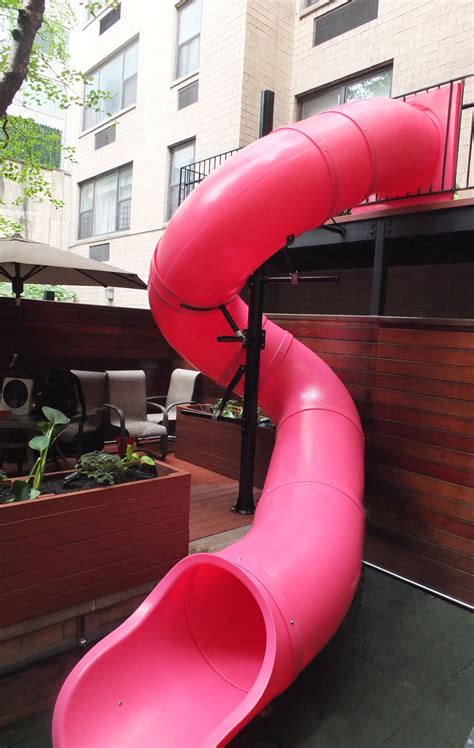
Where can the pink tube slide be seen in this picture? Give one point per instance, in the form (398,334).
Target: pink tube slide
(223,634)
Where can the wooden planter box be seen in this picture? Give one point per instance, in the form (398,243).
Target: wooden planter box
(215,445)
(59,551)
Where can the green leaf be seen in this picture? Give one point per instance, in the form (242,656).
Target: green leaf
(44,426)
(54,416)
(34,492)
(147,460)
(39,443)
(22,490)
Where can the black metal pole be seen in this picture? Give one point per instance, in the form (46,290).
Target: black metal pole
(379,274)
(254,343)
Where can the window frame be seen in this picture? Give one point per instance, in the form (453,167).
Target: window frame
(342,85)
(171,151)
(117,53)
(179,8)
(93,181)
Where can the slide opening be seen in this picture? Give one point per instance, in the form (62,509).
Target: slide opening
(188,664)
(226,623)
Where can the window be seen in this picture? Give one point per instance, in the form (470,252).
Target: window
(105,203)
(374,84)
(189,31)
(118,76)
(188,95)
(100,252)
(109,19)
(180,155)
(344,18)
(105,136)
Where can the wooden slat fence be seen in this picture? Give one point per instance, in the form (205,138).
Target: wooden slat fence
(413,383)
(50,335)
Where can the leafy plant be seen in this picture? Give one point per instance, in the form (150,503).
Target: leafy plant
(36,291)
(35,71)
(234,409)
(101,466)
(3,477)
(31,487)
(109,468)
(133,459)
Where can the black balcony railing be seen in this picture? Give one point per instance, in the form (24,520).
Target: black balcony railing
(460,181)
(191,175)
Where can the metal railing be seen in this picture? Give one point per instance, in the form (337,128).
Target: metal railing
(461,174)
(191,175)
(460,181)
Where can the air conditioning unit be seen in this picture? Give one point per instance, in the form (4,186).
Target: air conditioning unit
(17,395)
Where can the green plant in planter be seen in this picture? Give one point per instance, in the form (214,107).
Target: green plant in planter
(109,468)
(234,409)
(3,477)
(101,466)
(51,428)
(134,460)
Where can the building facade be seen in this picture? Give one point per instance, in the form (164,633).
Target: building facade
(185,79)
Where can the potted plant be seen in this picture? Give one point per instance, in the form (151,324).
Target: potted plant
(109,524)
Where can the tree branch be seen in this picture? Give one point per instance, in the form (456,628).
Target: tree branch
(29,20)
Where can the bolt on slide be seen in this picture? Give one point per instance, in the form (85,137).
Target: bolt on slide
(223,634)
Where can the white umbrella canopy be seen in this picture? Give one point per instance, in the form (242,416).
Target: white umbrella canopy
(24,261)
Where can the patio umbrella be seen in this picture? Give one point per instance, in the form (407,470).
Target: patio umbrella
(24,261)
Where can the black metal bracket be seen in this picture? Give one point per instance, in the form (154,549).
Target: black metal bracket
(230,388)
(260,337)
(296,278)
(336,228)
(239,335)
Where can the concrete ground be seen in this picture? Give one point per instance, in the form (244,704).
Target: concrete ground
(398,673)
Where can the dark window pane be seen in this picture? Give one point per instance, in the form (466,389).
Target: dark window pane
(123,215)
(109,19)
(188,95)
(85,224)
(100,252)
(345,18)
(104,137)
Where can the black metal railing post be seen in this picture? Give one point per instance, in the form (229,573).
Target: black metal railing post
(255,341)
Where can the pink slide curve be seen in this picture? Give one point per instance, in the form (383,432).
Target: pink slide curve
(223,634)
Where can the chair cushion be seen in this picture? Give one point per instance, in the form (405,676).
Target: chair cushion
(144,428)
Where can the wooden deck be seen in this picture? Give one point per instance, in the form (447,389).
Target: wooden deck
(212,498)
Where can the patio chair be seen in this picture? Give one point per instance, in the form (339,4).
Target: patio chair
(128,404)
(182,390)
(86,432)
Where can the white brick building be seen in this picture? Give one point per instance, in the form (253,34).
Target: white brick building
(185,80)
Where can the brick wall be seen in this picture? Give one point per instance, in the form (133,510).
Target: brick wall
(246,45)
(46,648)
(267,62)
